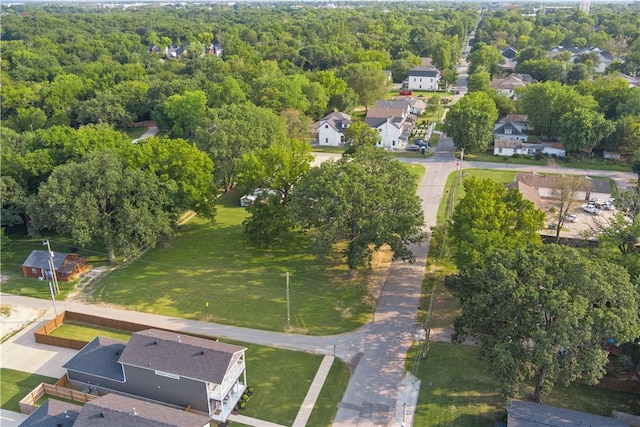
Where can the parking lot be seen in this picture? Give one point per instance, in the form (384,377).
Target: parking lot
(586,222)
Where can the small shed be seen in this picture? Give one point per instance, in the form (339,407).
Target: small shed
(66,266)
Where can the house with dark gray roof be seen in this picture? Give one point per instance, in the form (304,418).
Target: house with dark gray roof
(66,266)
(530,414)
(509,131)
(412,105)
(179,370)
(423,77)
(112,410)
(331,129)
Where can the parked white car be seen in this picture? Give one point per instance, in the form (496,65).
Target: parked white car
(573,218)
(591,209)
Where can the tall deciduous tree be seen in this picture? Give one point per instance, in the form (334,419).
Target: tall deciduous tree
(359,134)
(565,197)
(186,111)
(470,121)
(584,129)
(365,200)
(279,167)
(233,130)
(546,103)
(182,168)
(543,313)
(367,80)
(101,200)
(489,216)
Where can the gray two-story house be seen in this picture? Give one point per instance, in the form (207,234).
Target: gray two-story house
(168,367)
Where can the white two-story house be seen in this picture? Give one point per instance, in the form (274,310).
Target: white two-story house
(331,129)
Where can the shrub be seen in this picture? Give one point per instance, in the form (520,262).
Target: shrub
(245,396)
(243,405)
(250,390)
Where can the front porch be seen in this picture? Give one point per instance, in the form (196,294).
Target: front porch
(220,410)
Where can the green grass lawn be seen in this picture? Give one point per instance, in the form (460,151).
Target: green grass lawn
(15,384)
(334,387)
(84,332)
(593,164)
(244,285)
(488,157)
(281,379)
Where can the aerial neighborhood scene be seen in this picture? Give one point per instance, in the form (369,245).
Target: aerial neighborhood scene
(349,214)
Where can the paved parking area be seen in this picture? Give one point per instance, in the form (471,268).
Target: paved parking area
(587,223)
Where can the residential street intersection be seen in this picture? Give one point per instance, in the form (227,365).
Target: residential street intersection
(376,394)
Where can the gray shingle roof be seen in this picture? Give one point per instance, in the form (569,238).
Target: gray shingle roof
(502,129)
(40,259)
(338,120)
(53,413)
(100,358)
(195,358)
(424,71)
(116,410)
(530,414)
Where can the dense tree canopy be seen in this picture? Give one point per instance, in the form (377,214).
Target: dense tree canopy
(101,199)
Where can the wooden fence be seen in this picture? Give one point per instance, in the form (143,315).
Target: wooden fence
(28,402)
(42,334)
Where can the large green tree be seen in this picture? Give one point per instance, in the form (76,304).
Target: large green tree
(101,200)
(470,121)
(278,168)
(583,129)
(542,313)
(546,103)
(364,200)
(234,130)
(186,171)
(488,217)
(367,80)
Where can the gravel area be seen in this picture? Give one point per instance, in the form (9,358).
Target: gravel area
(14,318)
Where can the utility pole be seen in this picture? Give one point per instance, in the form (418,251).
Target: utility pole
(52,267)
(288,305)
(460,171)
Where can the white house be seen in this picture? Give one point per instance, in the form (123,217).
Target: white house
(331,129)
(508,85)
(508,148)
(509,131)
(393,124)
(423,77)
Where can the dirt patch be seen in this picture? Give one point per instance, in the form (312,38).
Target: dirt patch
(13,318)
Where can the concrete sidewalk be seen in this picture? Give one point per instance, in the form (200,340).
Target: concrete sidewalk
(314,391)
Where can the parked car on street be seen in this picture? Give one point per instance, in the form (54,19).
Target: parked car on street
(573,218)
(413,147)
(591,209)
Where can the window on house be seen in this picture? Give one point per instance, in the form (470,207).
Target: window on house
(393,143)
(34,270)
(420,78)
(326,126)
(326,140)
(508,131)
(500,150)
